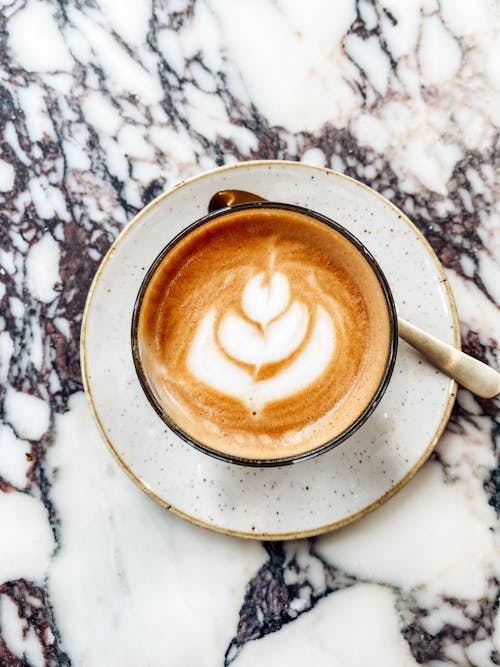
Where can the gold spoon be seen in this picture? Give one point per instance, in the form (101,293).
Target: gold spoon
(471,373)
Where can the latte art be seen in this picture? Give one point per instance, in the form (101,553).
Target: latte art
(272,331)
(263,333)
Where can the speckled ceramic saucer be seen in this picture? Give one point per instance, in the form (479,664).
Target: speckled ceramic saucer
(309,497)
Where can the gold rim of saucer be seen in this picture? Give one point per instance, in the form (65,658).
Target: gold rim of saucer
(268,536)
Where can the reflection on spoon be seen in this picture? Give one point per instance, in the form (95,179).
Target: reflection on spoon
(471,373)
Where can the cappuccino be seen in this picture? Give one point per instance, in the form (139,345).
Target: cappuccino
(263,333)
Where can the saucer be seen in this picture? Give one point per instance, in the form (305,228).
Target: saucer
(313,496)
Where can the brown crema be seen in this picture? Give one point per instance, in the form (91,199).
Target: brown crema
(263,334)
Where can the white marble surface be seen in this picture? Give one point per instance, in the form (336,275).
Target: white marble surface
(102,106)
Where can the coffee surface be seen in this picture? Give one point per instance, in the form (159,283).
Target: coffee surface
(263,333)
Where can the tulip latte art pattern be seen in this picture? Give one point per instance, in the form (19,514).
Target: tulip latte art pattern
(272,331)
(263,333)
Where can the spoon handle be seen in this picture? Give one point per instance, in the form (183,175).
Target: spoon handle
(467,371)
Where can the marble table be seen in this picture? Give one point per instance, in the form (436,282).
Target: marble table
(103,106)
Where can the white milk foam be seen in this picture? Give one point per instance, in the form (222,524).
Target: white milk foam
(271,331)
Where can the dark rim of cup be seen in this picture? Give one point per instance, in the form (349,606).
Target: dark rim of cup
(384,382)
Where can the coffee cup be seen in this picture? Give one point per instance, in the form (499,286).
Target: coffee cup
(264,334)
